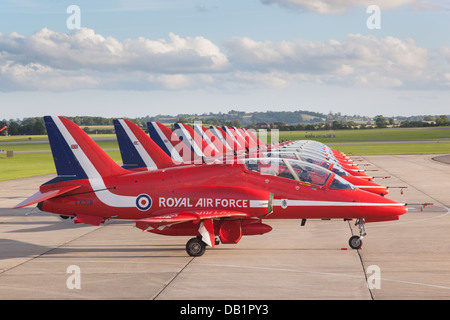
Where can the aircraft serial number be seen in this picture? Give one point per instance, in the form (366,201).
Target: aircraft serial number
(84,202)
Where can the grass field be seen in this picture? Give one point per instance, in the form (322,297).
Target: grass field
(396,134)
(22,138)
(32,164)
(43,137)
(386,134)
(46,146)
(402,148)
(25,165)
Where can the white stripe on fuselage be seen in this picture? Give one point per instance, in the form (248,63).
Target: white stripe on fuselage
(309,203)
(259,203)
(367,187)
(95,179)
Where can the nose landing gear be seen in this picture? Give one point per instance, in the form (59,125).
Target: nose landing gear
(355,242)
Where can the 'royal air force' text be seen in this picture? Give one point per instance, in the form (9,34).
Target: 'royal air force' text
(202,203)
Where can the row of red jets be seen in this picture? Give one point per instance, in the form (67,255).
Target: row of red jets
(214,184)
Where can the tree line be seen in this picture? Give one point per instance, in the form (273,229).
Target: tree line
(27,126)
(428,121)
(35,125)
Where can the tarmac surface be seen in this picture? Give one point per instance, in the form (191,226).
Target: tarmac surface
(45,257)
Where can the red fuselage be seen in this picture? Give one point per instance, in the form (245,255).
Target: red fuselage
(218,187)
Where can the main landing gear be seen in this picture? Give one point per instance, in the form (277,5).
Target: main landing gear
(195,247)
(355,242)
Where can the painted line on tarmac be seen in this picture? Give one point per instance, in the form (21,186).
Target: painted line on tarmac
(361,277)
(320,273)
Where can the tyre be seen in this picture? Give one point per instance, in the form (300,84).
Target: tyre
(195,247)
(355,242)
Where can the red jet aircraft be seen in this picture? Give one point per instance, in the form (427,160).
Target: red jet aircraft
(212,203)
(133,142)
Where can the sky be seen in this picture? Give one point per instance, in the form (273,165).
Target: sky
(134,58)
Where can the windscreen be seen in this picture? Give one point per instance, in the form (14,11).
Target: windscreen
(270,166)
(340,183)
(339,171)
(310,173)
(295,170)
(286,154)
(315,160)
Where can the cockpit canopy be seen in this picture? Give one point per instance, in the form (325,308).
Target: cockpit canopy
(311,158)
(297,170)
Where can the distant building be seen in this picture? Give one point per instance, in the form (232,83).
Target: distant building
(279,124)
(262,125)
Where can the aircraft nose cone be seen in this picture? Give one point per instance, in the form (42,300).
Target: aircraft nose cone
(383,209)
(366,185)
(394,207)
(397,209)
(403,209)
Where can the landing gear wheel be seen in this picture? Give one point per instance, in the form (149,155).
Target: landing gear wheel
(195,247)
(355,242)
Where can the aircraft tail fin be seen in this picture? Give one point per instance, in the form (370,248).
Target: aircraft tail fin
(211,139)
(75,154)
(194,141)
(220,134)
(165,139)
(255,138)
(138,151)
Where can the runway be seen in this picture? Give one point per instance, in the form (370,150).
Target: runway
(405,259)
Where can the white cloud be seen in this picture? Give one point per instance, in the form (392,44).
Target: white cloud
(86,59)
(85,49)
(358,60)
(49,60)
(35,76)
(445,51)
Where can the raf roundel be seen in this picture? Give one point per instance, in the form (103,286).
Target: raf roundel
(143,202)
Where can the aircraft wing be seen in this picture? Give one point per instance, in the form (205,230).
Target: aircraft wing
(195,216)
(41,196)
(203,217)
